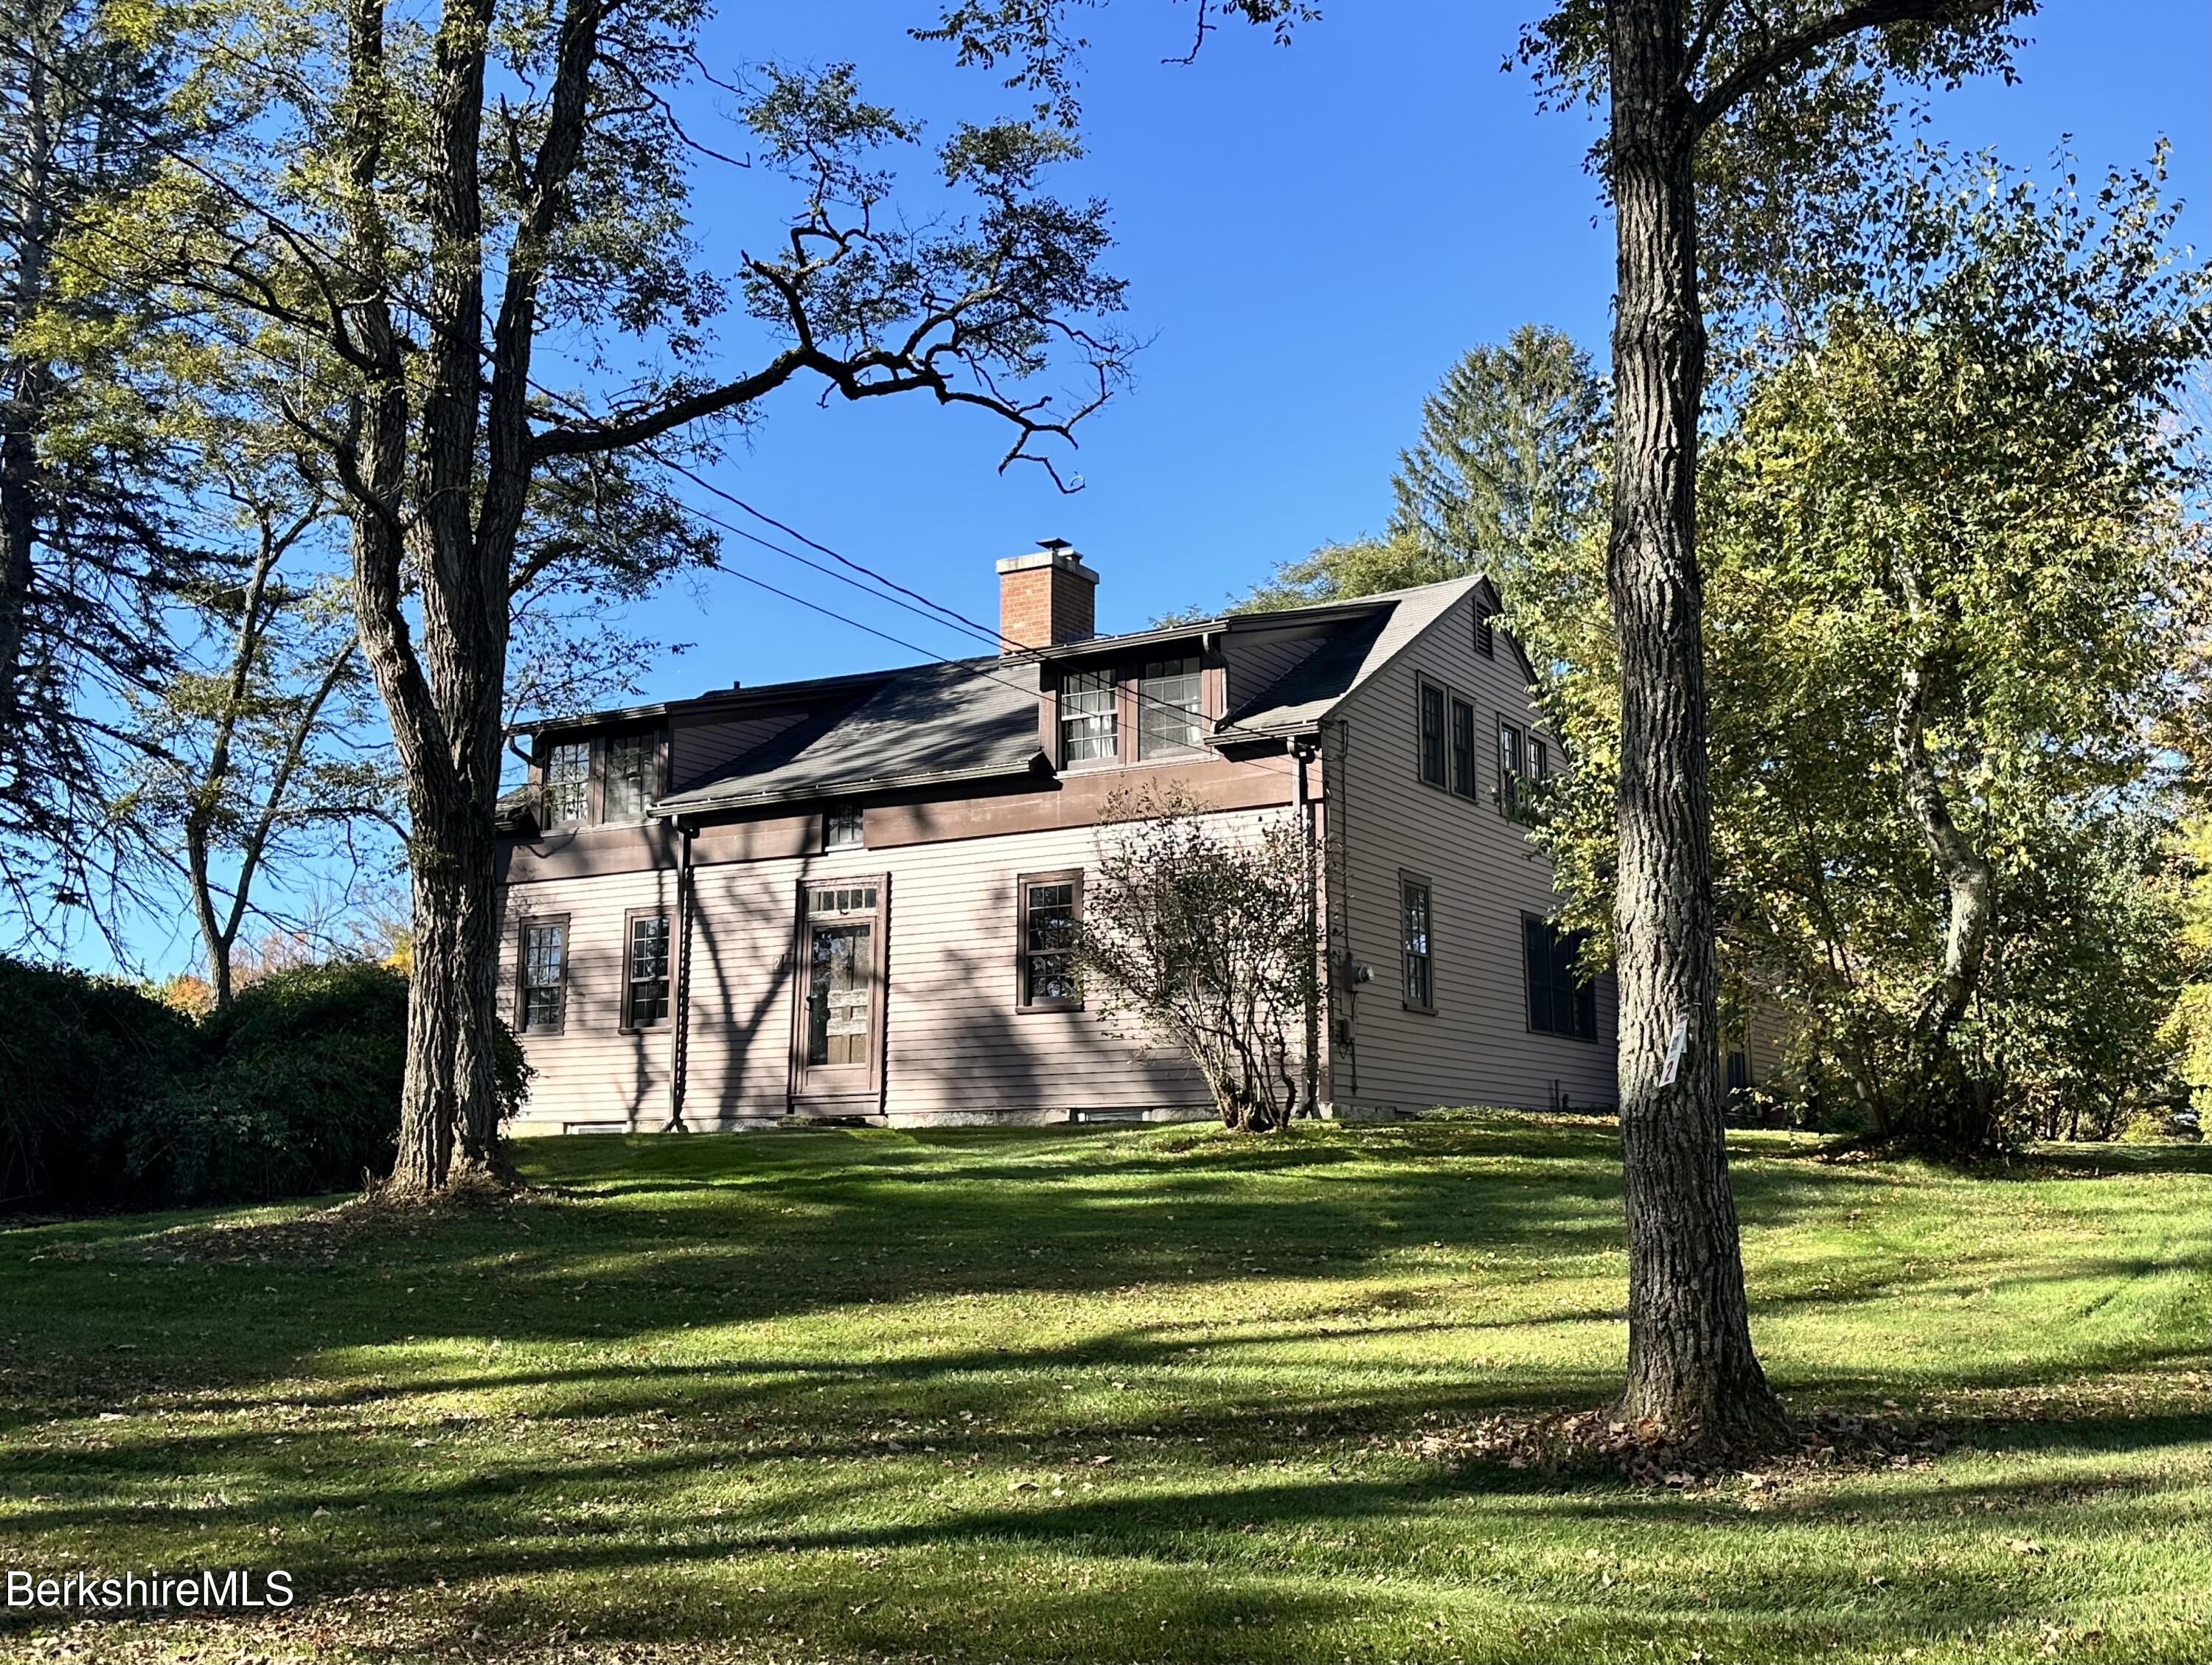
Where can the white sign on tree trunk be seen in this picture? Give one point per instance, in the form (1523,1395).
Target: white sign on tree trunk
(1677,1044)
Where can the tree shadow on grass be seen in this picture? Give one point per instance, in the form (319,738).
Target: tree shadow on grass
(1359,1236)
(1196,1558)
(745,1230)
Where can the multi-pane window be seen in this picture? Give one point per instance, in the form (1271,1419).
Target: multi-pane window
(1559,1001)
(567,783)
(1051,914)
(630,760)
(544,976)
(840,934)
(644,982)
(1432,734)
(1087,732)
(1509,768)
(841,899)
(1416,923)
(1540,761)
(1463,753)
(1168,709)
(841,829)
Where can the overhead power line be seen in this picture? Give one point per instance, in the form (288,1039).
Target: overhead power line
(890,590)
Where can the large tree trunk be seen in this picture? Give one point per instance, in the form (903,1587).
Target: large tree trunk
(449,1106)
(450,689)
(1690,1367)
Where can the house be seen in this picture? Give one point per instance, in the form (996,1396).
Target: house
(837,898)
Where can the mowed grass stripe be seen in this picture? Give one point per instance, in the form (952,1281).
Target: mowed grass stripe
(1126,1394)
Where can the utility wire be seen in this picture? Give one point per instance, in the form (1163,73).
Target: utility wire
(294,234)
(996,641)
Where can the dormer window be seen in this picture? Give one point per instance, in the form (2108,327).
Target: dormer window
(612,778)
(630,772)
(1087,733)
(1168,713)
(567,783)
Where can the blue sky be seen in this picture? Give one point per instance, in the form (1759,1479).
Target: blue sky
(1312,235)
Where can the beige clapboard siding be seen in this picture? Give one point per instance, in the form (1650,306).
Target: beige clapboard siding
(1484,874)
(954,1040)
(957,1038)
(592,1071)
(738,1057)
(1766,1040)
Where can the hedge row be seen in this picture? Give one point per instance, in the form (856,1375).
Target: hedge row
(110,1098)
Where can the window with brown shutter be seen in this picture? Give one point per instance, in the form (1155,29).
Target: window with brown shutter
(1559,1001)
(1463,750)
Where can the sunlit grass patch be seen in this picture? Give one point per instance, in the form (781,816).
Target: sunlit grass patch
(1144,1393)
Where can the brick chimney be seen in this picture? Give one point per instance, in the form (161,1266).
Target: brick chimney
(1046,598)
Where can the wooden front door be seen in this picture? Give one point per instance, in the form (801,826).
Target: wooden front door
(837,1043)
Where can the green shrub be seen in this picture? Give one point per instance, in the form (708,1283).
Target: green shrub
(79,1057)
(110,1098)
(297,1090)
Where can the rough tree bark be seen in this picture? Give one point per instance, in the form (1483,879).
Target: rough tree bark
(1690,1367)
(442,447)
(449,1082)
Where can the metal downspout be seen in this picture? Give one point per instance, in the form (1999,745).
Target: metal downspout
(679,1027)
(1309,976)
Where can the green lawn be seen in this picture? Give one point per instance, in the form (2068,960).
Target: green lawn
(1137,1395)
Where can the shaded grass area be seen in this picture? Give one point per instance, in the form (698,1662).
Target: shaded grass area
(1126,1395)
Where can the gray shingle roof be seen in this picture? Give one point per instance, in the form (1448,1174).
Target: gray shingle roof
(970,719)
(975,719)
(1317,684)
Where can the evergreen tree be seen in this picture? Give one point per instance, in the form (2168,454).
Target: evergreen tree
(1503,474)
(89,554)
